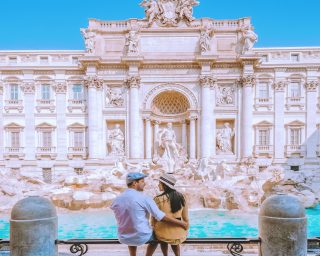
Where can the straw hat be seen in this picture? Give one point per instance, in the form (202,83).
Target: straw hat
(168,179)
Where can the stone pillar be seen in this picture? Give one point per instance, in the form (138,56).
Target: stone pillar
(29,103)
(1,123)
(133,83)
(248,81)
(148,139)
(100,122)
(192,137)
(213,120)
(282,227)
(311,107)
(33,232)
(279,134)
(184,134)
(92,83)
(61,105)
(206,113)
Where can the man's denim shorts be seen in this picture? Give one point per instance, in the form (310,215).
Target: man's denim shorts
(152,240)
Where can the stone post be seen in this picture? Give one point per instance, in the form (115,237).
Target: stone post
(33,228)
(206,113)
(311,110)
(148,139)
(92,83)
(282,227)
(279,135)
(29,99)
(61,104)
(192,146)
(247,81)
(133,83)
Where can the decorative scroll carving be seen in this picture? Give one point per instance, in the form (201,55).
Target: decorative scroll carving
(207,81)
(312,86)
(93,82)
(114,97)
(280,85)
(225,95)
(28,88)
(60,87)
(169,12)
(133,81)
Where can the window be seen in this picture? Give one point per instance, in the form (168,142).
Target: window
(15,139)
(295,136)
(294,90)
(13,59)
(295,57)
(77,90)
(78,139)
(263,137)
(45,92)
(14,93)
(46,139)
(295,168)
(263,90)
(264,58)
(44,60)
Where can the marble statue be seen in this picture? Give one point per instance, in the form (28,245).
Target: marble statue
(205,171)
(151,10)
(185,9)
(224,139)
(116,141)
(132,42)
(89,40)
(167,150)
(204,41)
(249,38)
(114,97)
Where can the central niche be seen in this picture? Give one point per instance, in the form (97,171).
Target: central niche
(170,103)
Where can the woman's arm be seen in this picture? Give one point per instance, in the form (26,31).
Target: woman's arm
(180,223)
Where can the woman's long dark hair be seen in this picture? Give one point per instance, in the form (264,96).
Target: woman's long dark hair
(177,200)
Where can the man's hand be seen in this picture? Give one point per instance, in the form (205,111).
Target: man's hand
(185,225)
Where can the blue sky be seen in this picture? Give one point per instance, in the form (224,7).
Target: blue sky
(55,24)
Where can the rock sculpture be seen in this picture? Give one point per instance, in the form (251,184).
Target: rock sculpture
(249,38)
(114,97)
(132,43)
(89,40)
(224,139)
(116,141)
(225,96)
(204,41)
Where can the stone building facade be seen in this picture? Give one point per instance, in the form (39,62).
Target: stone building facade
(66,110)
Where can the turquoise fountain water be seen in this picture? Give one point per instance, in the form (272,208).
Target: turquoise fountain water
(204,223)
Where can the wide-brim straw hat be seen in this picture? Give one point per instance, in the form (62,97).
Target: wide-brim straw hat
(168,179)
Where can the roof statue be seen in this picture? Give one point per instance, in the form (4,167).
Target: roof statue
(169,12)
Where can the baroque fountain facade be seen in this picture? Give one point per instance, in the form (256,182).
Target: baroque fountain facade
(167,93)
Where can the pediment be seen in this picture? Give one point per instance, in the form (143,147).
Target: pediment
(13,126)
(263,124)
(76,126)
(45,125)
(296,123)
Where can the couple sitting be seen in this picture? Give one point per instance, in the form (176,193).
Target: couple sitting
(169,214)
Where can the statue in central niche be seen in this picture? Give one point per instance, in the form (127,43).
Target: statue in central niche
(168,152)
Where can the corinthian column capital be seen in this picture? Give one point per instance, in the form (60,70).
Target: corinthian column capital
(248,80)
(133,81)
(207,81)
(93,82)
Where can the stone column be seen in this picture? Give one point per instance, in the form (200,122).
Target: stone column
(311,105)
(29,102)
(213,125)
(279,135)
(100,122)
(248,81)
(148,139)
(92,83)
(133,83)
(1,123)
(184,134)
(192,130)
(318,140)
(61,105)
(206,113)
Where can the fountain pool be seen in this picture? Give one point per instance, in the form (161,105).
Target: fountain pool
(204,223)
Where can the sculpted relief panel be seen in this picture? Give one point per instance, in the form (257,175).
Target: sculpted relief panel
(225,95)
(114,97)
(225,137)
